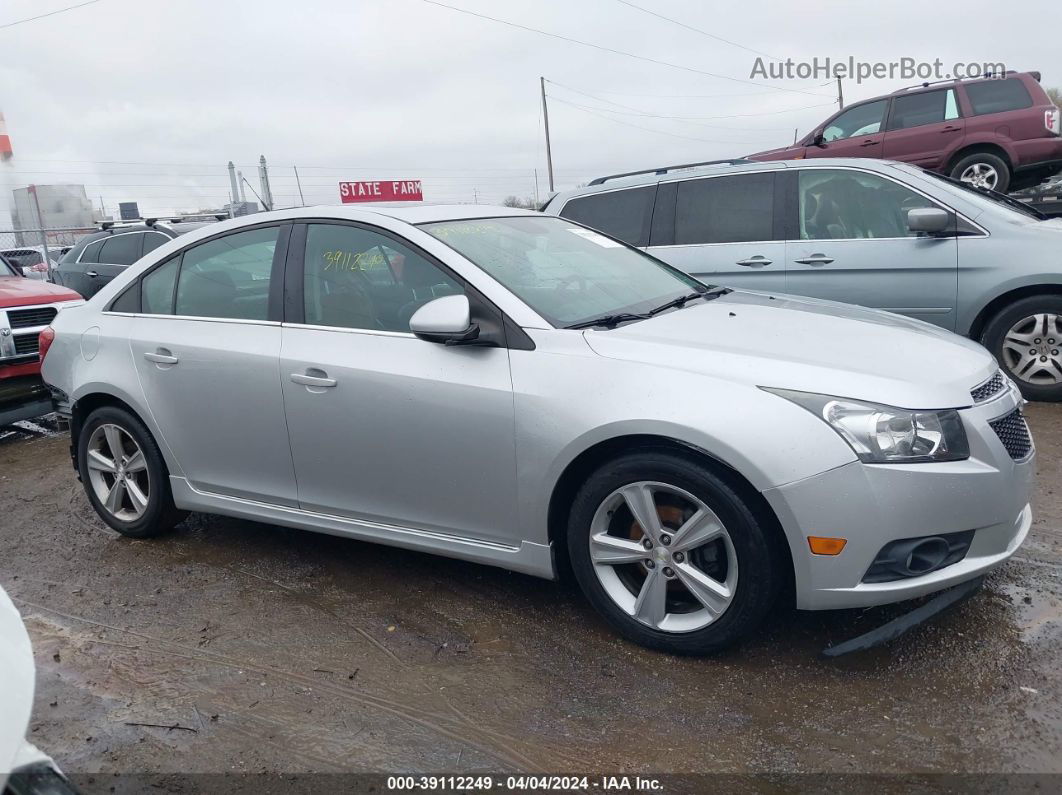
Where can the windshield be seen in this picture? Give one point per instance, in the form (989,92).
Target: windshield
(1000,199)
(5,267)
(567,273)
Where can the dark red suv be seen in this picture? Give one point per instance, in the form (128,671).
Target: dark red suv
(1001,133)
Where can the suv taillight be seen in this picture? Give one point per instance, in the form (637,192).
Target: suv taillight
(1052,121)
(45,340)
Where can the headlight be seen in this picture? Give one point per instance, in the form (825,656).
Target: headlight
(886,435)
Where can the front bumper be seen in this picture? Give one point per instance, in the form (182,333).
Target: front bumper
(871,505)
(23,398)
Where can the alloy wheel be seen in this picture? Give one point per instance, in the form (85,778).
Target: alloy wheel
(663,556)
(1032,349)
(117,471)
(980,175)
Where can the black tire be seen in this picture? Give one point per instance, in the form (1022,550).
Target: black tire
(760,561)
(998,327)
(999,164)
(160,515)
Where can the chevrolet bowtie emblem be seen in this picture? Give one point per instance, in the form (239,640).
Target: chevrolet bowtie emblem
(5,332)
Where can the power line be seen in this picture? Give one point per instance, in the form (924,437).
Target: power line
(49,14)
(625,54)
(592,112)
(697,30)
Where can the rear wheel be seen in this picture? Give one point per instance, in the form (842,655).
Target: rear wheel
(670,554)
(124,474)
(983,170)
(1026,339)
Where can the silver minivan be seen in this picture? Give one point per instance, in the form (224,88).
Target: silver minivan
(880,234)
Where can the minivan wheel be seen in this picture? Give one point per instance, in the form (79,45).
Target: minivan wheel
(983,170)
(1026,339)
(124,474)
(670,555)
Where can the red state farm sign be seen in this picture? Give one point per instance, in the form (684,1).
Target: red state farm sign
(408,190)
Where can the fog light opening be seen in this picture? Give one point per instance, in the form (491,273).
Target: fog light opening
(927,556)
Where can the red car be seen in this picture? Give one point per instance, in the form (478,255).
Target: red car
(997,133)
(27,307)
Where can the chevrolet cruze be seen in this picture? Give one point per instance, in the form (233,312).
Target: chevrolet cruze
(519,390)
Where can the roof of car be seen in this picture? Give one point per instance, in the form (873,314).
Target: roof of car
(653,176)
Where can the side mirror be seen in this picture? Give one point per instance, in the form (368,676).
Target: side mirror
(817,139)
(930,220)
(446,320)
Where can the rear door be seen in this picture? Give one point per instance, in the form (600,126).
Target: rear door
(722,230)
(848,241)
(924,128)
(857,132)
(117,253)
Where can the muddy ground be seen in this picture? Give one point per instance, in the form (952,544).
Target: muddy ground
(272,650)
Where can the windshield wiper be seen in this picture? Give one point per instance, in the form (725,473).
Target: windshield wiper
(682,300)
(609,321)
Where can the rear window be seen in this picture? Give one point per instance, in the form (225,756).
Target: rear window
(623,214)
(996,96)
(733,209)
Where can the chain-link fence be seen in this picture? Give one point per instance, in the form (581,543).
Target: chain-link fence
(34,252)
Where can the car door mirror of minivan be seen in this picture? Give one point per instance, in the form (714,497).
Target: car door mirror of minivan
(930,220)
(817,139)
(446,320)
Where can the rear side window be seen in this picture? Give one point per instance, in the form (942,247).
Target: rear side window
(734,209)
(930,107)
(121,249)
(996,96)
(156,294)
(623,214)
(228,277)
(92,251)
(152,240)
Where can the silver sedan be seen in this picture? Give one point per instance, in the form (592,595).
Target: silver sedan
(517,389)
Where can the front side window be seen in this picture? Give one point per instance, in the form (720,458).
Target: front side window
(860,120)
(361,279)
(733,209)
(928,107)
(152,240)
(228,277)
(121,249)
(624,214)
(996,96)
(841,204)
(566,273)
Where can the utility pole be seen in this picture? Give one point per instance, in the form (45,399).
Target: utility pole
(299,183)
(795,131)
(44,236)
(840,93)
(536,189)
(545,121)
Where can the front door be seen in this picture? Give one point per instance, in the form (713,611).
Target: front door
(722,231)
(856,132)
(207,354)
(386,427)
(849,242)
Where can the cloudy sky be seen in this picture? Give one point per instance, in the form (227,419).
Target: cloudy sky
(147,100)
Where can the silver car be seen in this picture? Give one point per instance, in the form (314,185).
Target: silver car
(516,389)
(875,233)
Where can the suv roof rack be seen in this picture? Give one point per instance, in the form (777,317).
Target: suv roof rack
(953,80)
(173,219)
(665,169)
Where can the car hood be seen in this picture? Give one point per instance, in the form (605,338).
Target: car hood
(20,291)
(16,683)
(808,345)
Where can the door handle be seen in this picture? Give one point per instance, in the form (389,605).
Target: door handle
(951,129)
(91,274)
(306,379)
(869,142)
(756,261)
(815,259)
(161,356)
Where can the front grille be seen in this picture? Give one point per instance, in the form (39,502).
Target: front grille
(27,344)
(990,388)
(28,318)
(1014,433)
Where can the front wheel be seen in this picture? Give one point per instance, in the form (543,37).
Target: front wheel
(1026,339)
(670,555)
(124,474)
